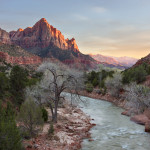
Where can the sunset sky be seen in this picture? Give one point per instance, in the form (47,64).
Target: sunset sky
(108,27)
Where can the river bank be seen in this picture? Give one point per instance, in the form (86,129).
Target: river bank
(142,119)
(72,127)
(112,131)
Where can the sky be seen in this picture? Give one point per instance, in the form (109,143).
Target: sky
(107,27)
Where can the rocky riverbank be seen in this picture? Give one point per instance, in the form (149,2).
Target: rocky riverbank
(143,118)
(72,127)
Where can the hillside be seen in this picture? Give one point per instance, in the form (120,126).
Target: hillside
(47,42)
(145,59)
(16,55)
(120,62)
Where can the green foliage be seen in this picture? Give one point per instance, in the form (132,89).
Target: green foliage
(137,74)
(10,138)
(18,81)
(12,84)
(44,114)
(102,84)
(31,117)
(95,82)
(37,75)
(51,129)
(4,85)
(97,78)
(32,81)
(89,87)
(103,90)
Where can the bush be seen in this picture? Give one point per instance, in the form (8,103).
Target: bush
(95,82)
(4,85)
(89,87)
(51,130)
(103,90)
(102,84)
(31,117)
(10,138)
(138,97)
(137,74)
(114,84)
(97,78)
(44,114)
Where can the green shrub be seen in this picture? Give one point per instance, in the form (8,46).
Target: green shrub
(51,129)
(89,87)
(103,90)
(31,117)
(10,138)
(102,84)
(95,82)
(4,84)
(44,114)
(137,74)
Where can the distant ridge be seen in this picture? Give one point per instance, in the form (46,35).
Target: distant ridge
(49,43)
(117,61)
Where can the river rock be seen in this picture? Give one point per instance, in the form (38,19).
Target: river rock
(147,113)
(147,126)
(140,119)
(126,113)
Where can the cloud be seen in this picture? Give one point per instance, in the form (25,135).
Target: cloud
(127,40)
(99,9)
(81,17)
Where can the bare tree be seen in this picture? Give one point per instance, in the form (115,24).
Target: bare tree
(114,84)
(138,97)
(56,80)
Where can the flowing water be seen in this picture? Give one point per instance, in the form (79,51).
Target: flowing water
(113,131)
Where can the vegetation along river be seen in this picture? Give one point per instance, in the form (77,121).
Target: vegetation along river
(113,131)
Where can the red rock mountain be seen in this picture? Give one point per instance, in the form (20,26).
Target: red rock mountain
(47,42)
(4,37)
(143,60)
(16,55)
(42,35)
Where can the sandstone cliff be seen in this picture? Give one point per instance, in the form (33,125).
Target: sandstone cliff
(16,55)
(42,35)
(47,42)
(4,37)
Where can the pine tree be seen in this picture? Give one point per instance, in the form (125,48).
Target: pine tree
(10,138)
(18,82)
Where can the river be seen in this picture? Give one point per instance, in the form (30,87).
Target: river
(113,131)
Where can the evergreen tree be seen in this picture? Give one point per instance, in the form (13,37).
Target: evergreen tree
(18,81)
(4,84)
(9,134)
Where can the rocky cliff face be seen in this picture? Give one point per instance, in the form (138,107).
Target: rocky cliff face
(143,60)
(47,42)
(16,55)
(42,35)
(4,37)
(22,60)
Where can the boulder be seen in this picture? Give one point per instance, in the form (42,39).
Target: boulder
(140,119)
(147,126)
